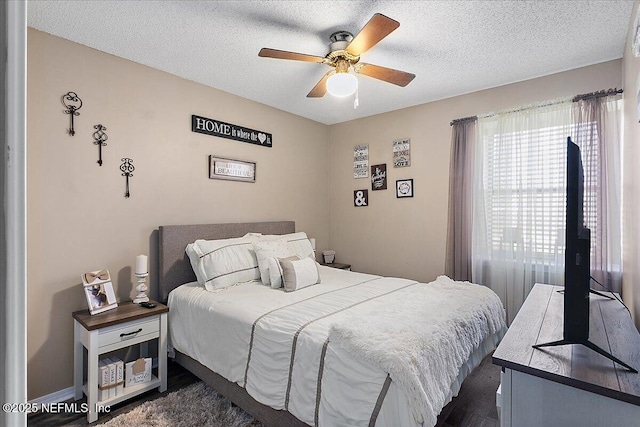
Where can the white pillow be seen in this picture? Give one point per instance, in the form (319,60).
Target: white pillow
(299,242)
(194,259)
(223,263)
(266,249)
(298,274)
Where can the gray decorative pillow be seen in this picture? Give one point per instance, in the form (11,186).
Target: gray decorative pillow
(298,274)
(275,271)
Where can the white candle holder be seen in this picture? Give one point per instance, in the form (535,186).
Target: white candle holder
(141,288)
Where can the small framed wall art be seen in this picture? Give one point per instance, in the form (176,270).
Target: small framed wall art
(233,170)
(404,188)
(379,177)
(402,153)
(360,198)
(361,161)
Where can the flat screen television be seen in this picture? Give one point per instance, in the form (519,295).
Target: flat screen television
(577,268)
(577,252)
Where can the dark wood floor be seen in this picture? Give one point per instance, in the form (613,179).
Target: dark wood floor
(475,405)
(177,378)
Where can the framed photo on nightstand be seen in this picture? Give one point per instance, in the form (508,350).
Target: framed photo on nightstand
(404,188)
(98,290)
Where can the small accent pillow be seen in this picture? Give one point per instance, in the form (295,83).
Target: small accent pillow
(275,270)
(223,263)
(270,249)
(298,274)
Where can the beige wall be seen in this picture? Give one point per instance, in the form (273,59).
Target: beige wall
(406,237)
(631,179)
(78,218)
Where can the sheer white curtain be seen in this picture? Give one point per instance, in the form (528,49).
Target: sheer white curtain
(520,195)
(597,130)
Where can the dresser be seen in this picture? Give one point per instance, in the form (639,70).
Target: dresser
(568,385)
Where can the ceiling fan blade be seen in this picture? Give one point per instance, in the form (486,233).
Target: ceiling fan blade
(283,54)
(320,88)
(389,75)
(378,27)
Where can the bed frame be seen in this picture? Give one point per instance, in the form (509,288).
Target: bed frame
(175,270)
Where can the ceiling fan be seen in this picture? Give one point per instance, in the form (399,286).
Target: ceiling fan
(345,55)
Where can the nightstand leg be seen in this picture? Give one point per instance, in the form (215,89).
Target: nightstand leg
(92,376)
(144,349)
(77,360)
(162,353)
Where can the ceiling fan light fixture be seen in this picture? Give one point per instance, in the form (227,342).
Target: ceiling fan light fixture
(342,84)
(344,55)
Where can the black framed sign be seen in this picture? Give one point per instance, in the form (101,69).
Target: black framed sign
(404,188)
(360,198)
(214,127)
(379,177)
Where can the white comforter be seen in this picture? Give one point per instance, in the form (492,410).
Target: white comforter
(310,351)
(436,331)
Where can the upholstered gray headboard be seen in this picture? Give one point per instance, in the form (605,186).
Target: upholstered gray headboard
(175,268)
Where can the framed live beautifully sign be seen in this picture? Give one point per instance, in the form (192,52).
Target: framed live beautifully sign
(230,169)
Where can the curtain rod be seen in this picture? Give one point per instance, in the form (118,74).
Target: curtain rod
(598,94)
(464,119)
(582,97)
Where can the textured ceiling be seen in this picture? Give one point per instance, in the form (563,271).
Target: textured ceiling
(453,47)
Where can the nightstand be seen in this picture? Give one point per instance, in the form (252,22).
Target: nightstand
(338,265)
(126,325)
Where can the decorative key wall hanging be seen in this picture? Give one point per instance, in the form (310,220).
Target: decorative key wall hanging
(127,169)
(73,103)
(100,139)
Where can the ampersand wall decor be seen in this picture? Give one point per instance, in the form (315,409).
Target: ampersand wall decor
(72,103)
(360,198)
(127,169)
(100,139)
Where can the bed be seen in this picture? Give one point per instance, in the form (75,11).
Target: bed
(313,356)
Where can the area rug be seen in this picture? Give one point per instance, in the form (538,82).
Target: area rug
(196,405)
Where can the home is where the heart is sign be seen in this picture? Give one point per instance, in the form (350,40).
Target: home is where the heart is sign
(226,130)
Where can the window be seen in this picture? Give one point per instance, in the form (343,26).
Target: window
(519,196)
(525,190)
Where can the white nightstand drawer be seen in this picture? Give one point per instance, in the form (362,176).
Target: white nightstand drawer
(128,331)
